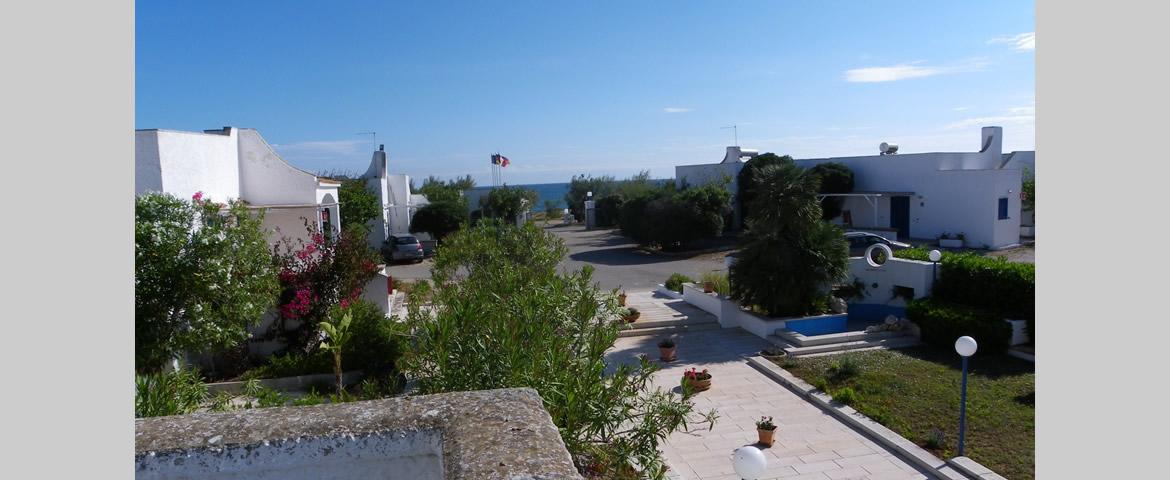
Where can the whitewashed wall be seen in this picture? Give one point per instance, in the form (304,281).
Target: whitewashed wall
(895,272)
(182,163)
(266,179)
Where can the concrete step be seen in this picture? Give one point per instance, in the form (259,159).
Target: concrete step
(799,340)
(677,327)
(896,342)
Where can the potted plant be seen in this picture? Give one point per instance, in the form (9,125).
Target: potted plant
(766,429)
(951,240)
(630,314)
(622,298)
(666,349)
(696,380)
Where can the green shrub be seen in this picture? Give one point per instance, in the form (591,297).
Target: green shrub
(846,396)
(221,402)
(942,323)
(551,335)
(676,281)
(168,393)
(265,397)
(376,342)
(311,398)
(292,365)
(669,218)
(846,367)
(993,284)
(608,210)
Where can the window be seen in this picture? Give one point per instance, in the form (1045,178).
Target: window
(1003,208)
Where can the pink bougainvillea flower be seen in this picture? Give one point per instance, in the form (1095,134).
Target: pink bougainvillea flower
(344,303)
(198,196)
(318,239)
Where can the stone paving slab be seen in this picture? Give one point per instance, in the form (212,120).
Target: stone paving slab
(810,444)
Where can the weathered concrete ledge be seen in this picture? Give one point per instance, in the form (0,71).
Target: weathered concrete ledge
(285,384)
(491,434)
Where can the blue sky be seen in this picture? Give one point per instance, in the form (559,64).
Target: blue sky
(563,88)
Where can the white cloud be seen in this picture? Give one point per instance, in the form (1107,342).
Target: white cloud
(1030,110)
(1024,42)
(960,109)
(910,70)
(677,110)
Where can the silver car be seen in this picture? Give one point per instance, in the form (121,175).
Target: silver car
(402,247)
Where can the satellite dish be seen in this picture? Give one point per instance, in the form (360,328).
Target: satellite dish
(888,148)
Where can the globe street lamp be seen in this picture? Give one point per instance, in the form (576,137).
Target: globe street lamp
(749,462)
(935,256)
(965,346)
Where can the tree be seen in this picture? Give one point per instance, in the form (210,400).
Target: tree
(508,202)
(580,186)
(789,256)
(358,204)
(203,276)
(504,316)
(670,218)
(336,337)
(437,190)
(747,178)
(439,219)
(835,178)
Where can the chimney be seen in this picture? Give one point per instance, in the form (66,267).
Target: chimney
(381,147)
(992,141)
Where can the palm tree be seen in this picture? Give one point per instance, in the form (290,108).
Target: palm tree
(789,256)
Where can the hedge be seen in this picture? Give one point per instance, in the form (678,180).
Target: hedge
(942,323)
(993,284)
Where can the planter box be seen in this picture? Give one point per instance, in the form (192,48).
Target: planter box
(950,243)
(1019,332)
(708,302)
(666,292)
(286,384)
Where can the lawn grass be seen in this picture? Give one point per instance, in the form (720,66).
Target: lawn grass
(915,391)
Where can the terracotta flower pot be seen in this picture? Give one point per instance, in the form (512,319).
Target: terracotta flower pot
(766,436)
(699,385)
(667,353)
(708,287)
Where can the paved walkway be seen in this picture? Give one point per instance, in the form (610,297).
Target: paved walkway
(810,444)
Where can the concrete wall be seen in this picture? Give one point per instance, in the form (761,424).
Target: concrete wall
(182,163)
(895,272)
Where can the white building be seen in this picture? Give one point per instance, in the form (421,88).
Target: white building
(924,195)
(236,163)
(394,195)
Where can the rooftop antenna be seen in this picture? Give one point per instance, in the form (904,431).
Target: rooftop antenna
(373,136)
(734,131)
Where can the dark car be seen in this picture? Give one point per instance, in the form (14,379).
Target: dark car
(402,247)
(859,241)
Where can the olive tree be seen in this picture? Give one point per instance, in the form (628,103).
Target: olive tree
(203,275)
(503,316)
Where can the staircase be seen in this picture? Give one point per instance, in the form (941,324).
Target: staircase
(796,345)
(661,315)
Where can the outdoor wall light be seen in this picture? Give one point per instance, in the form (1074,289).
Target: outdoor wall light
(935,255)
(965,346)
(749,462)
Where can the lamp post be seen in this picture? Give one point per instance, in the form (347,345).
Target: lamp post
(934,256)
(965,346)
(749,462)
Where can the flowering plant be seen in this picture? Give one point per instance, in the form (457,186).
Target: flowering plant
(765,423)
(696,375)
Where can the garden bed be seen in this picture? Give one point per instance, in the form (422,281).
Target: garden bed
(915,391)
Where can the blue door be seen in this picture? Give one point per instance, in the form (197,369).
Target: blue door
(900,216)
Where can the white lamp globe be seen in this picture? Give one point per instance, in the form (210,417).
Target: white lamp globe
(749,462)
(966,346)
(935,255)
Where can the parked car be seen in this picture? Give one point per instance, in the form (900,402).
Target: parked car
(859,241)
(402,247)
